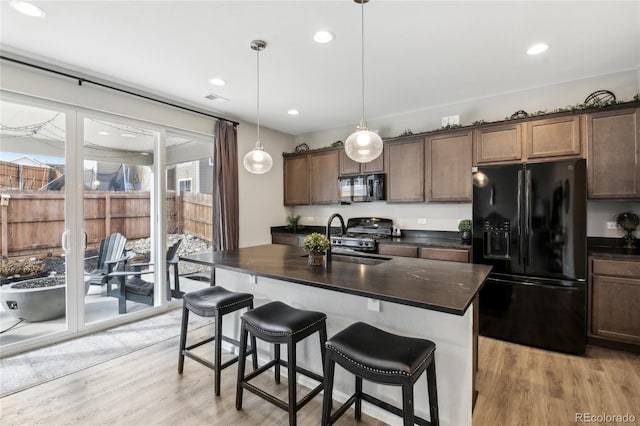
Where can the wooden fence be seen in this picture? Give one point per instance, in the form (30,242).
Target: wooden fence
(32,223)
(16,176)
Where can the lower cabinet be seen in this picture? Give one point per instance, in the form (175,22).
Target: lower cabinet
(287,240)
(435,253)
(453,255)
(614,291)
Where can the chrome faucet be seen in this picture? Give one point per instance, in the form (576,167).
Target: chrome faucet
(343,229)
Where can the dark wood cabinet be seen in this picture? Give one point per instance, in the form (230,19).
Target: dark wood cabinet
(296,180)
(405,171)
(614,300)
(497,144)
(452,255)
(398,250)
(553,138)
(323,177)
(448,167)
(613,160)
(350,167)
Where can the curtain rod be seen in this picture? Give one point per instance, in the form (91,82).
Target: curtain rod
(106,86)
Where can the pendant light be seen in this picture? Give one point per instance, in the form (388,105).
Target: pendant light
(363,145)
(258,161)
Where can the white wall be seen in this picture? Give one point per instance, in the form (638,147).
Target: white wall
(445,216)
(261,196)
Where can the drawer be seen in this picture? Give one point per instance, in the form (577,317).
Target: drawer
(288,240)
(619,268)
(398,250)
(453,255)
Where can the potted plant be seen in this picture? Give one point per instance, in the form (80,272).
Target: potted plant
(292,223)
(464,227)
(316,244)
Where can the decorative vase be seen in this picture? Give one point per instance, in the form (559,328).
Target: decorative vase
(315,259)
(465,235)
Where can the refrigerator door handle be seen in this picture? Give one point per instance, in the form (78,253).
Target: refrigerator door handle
(519,218)
(527,213)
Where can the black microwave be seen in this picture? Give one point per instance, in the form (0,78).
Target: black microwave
(361,188)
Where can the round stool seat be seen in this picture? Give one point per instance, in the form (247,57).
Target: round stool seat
(280,319)
(379,351)
(205,302)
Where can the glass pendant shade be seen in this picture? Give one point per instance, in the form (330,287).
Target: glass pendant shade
(258,161)
(363,145)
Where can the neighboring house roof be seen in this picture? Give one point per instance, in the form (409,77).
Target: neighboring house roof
(29,161)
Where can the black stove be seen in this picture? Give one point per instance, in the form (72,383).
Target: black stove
(362,234)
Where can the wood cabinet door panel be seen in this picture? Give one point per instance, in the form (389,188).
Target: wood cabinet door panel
(398,250)
(296,180)
(554,137)
(453,255)
(287,240)
(323,177)
(613,160)
(405,171)
(497,144)
(347,165)
(448,167)
(615,313)
(621,268)
(375,166)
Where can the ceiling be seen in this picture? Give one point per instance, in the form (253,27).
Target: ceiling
(418,54)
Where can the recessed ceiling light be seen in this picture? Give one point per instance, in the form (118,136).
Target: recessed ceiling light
(127,135)
(323,37)
(27,8)
(293,112)
(103,133)
(537,49)
(217,81)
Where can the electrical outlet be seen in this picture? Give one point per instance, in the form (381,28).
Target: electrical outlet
(373,305)
(611,225)
(422,221)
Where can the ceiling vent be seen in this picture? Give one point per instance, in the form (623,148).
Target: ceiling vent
(216,98)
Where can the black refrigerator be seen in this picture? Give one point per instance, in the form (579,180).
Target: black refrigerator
(529,223)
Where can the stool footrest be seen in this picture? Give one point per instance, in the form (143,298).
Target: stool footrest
(343,408)
(395,410)
(186,352)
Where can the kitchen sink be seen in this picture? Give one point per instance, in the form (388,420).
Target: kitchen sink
(354,258)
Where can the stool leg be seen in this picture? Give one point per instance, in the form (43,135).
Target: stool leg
(433,393)
(168,285)
(276,351)
(183,338)
(254,346)
(218,351)
(407,403)
(323,340)
(241,363)
(176,280)
(358,397)
(291,358)
(329,367)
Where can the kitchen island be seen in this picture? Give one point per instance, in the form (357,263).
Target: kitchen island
(414,297)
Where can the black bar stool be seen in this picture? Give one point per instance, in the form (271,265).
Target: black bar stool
(214,302)
(279,323)
(375,355)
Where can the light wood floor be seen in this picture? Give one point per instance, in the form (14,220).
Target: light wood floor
(518,386)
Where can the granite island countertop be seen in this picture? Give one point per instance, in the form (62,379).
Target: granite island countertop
(448,287)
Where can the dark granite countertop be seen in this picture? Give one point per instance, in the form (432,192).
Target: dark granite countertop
(430,284)
(611,248)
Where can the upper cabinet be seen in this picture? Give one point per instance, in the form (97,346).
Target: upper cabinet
(448,167)
(613,161)
(497,144)
(323,177)
(553,138)
(296,180)
(350,167)
(404,164)
(535,140)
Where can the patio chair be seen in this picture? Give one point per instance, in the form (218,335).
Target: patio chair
(132,287)
(172,260)
(110,253)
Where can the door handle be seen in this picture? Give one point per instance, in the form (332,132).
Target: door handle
(63,241)
(528,208)
(519,219)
